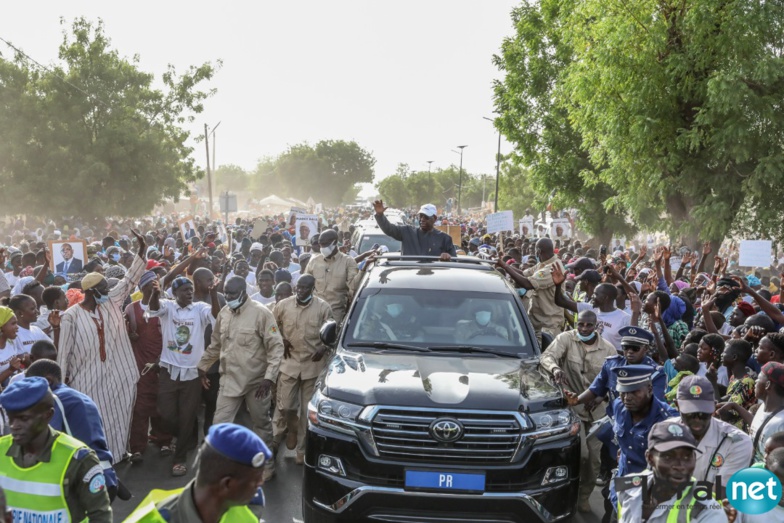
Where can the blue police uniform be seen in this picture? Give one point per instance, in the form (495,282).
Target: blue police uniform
(77,415)
(632,437)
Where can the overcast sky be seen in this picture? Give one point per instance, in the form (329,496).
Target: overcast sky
(408,80)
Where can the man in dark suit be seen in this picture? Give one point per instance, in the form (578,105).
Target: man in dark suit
(69,265)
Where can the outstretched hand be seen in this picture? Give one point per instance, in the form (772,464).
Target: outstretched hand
(558,275)
(142,243)
(378,206)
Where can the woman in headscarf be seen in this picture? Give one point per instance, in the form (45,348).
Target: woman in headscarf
(10,362)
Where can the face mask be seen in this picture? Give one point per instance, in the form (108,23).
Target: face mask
(116,257)
(235,304)
(586,338)
(394,309)
(101,298)
(305,301)
(483,318)
(328,250)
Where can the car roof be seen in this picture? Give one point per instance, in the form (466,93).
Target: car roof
(436,275)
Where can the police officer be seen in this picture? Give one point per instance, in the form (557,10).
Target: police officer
(667,491)
(634,412)
(230,472)
(47,475)
(723,448)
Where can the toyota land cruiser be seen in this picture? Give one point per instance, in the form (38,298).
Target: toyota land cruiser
(434,408)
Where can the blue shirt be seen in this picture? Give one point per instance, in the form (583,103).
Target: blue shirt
(604,383)
(84,420)
(633,437)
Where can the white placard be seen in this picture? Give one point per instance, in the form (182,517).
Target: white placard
(755,253)
(306,226)
(500,221)
(560,229)
(526,225)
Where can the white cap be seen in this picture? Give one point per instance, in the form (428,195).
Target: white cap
(428,209)
(257,247)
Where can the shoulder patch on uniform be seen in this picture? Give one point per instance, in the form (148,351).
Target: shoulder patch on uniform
(82,453)
(98,484)
(273,329)
(97,469)
(735,436)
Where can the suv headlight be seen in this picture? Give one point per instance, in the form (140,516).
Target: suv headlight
(553,423)
(338,415)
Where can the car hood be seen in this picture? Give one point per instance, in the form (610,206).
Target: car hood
(439,381)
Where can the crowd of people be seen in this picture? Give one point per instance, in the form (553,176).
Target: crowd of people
(665,366)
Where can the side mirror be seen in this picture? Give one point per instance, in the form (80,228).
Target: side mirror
(329,333)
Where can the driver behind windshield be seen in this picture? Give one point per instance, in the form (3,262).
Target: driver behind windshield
(480,324)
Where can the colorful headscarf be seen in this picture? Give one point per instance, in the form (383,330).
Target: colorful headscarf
(74,296)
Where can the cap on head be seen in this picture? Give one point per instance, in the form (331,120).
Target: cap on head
(635,336)
(774,371)
(24,394)
(91,280)
(632,377)
(146,278)
(256,247)
(582,264)
(428,210)
(589,275)
(179,282)
(669,435)
(238,444)
(695,394)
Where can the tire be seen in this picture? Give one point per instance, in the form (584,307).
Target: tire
(311,515)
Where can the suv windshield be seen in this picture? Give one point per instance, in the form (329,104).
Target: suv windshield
(368,240)
(440,319)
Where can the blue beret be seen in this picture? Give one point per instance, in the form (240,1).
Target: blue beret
(632,377)
(179,282)
(635,336)
(23,394)
(239,444)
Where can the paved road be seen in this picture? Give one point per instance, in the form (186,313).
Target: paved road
(282,493)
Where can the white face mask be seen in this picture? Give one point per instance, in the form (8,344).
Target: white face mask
(394,309)
(483,317)
(329,249)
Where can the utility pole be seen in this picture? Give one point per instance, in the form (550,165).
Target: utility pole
(209,171)
(460,187)
(497,165)
(429,165)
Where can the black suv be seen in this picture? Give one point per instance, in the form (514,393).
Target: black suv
(434,407)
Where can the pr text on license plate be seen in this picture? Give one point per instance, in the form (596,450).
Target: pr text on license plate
(445,480)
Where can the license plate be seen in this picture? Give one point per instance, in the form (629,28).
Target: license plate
(445,480)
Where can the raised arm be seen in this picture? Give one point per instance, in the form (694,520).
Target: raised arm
(515,275)
(767,307)
(393,231)
(561,299)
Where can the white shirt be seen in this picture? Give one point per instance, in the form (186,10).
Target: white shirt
(26,337)
(608,323)
(718,457)
(183,336)
(261,299)
(6,354)
(773,426)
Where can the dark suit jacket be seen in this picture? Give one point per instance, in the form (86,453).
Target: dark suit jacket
(76,266)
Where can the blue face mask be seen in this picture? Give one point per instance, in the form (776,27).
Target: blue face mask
(482,317)
(101,298)
(394,309)
(116,257)
(235,304)
(586,338)
(305,301)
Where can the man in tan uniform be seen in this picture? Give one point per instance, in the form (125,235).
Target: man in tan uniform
(336,274)
(250,348)
(300,318)
(573,359)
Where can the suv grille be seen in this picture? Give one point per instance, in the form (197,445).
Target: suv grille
(488,437)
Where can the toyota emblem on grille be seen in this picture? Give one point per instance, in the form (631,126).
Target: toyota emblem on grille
(446,430)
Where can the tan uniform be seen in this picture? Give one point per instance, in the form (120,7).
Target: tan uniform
(581,363)
(336,279)
(545,315)
(250,349)
(299,325)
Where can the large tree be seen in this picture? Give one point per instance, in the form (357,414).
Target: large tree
(327,171)
(532,105)
(408,188)
(681,102)
(91,136)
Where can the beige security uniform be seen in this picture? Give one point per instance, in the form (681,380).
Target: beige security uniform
(544,313)
(336,279)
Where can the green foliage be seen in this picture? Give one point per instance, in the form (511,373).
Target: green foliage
(531,104)
(328,172)
(91,136)
(230,178)
(515,190)
(406,188)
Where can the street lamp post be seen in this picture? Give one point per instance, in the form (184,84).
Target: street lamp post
(460,186)
(497,165)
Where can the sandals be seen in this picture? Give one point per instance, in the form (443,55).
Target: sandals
(179,469)
(167,450)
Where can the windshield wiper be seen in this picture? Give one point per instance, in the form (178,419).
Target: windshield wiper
(469,349)
(387,345)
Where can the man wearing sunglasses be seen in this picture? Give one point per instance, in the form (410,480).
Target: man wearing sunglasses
(715,438)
